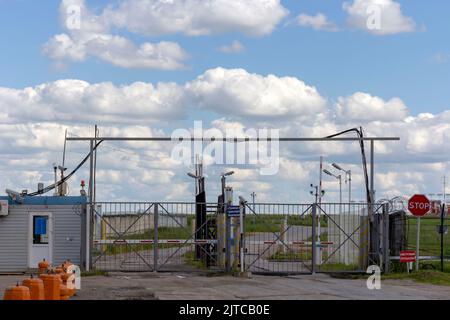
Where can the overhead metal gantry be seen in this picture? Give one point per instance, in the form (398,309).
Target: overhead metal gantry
(96,140)
(372,140)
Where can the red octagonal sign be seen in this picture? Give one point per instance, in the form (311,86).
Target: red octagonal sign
(419,205)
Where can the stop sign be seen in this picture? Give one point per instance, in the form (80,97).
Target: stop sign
(419,205)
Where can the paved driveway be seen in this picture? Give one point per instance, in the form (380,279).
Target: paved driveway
(180,286)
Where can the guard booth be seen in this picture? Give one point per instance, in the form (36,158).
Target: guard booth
(40,227)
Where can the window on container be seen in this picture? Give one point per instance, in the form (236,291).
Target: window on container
(40,230)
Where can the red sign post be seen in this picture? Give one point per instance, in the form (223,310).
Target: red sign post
(419,205)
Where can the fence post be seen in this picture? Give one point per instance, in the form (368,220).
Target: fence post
(417,243)
(155,237)
(284,226)
(227,241)
(241,238)
(386,251)
(313,238)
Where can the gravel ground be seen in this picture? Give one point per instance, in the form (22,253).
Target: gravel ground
(183,286)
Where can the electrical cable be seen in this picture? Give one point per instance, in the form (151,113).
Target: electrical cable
(360,134)
(57,184)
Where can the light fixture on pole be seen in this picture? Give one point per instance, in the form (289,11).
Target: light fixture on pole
(196,180)
(348,173)
(338,177)
(223,179)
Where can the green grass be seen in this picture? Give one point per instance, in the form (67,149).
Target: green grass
(430,240)
(303,255)
(422,276)
(94,273)
(164,233)
(338,267)
(273,222)
(189,259)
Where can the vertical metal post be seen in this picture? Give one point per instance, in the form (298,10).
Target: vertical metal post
(372,174)
(442,234)
(417,243)
(313,238)
(349,186)
(89,213)
(242,244)
(319,227)
(155,237)
(94,175)
(227,244)
(386,251)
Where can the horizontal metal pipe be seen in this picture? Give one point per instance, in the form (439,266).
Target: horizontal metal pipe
(230,139)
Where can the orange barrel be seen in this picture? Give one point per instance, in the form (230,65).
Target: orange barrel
(70,286)
(36,287)
(51,286)
(7,293)
(60,269)
(17,293)
(64,292)
(43,266)
(67,264)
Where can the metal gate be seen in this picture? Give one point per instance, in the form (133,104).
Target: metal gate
(278,238)
(308,238)
(153,237)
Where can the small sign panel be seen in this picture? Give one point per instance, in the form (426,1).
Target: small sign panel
(408,256)
(233,211)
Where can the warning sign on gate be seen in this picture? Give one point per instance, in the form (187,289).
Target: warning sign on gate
(408,256)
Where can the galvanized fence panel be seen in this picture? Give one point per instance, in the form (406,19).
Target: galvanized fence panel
(151,237)
(121,234)
(178,247)
(429,241)
(343,244)
(278,238)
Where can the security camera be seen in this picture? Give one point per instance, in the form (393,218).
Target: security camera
(242,200)
(14,195)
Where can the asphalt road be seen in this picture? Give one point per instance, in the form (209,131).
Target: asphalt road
(183,286)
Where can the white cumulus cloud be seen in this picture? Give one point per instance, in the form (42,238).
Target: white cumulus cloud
(93,39)
(317,22)
(239,93)
(197,17)
(234,47)
(363,107)
(380,17)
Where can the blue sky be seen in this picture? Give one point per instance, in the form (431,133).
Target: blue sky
(336,63)
(323,81)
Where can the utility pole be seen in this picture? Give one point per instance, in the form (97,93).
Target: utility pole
(253,194)
(317,253)
(338,177)
(348,177)
(94,193)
